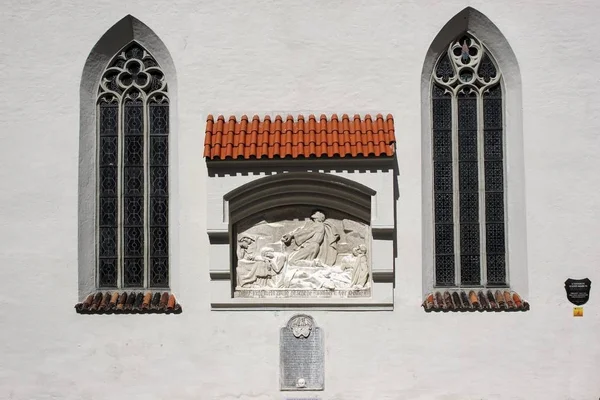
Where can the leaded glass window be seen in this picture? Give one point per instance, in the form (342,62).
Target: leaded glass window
(133,173)
(468,168)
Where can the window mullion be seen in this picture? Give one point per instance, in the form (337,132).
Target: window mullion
(120,152)
(455,189)
(146,142)
(481,177)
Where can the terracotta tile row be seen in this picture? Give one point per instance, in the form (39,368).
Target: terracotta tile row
(482,300)
(300,137)
(129,303)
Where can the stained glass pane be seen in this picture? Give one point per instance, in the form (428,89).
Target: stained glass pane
(133,195)
(444,69)
(159,195)
(487,69)
(443,183)
(468,173)
(107,195)
(494,185)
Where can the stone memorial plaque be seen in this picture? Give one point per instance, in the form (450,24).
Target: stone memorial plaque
(301,355)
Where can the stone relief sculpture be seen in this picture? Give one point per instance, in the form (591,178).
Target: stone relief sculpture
(284,256)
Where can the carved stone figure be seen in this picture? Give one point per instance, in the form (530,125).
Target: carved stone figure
(244,252)
(260,271)
(360,269)
(315,240)
(322,254)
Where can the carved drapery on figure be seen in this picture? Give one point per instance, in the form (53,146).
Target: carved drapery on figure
(279,254)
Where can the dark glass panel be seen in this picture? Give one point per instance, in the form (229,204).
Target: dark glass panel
(159,211)
(108,151)
(159,192)
(470,270)
(108,212)
(107,195)
(159,272)
(133,238)
(159,150)
(443,208)
(134,118)
(134,181)
(134,151)
(494,186)
(133,210)
(442,113)
(107,272)
(469,239)
(492,113)
(444,69)
(494,176)
(443,181)
(444,239)
(469,207)
(495,238)
(494,207)
(159,181)
(159,245)
(108,242)
(487,69)
(467,110)
(108,181)
(468,176)
(496,269)
(109,116)
(442,177)
(133,272)
(159,119)
(467,145)
(493,145)
(444,270)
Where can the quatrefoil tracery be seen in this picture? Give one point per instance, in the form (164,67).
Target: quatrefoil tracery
(131,73)
(466,67)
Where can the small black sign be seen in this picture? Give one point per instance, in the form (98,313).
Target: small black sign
(578,290)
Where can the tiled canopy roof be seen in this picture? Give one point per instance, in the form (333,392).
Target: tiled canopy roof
(462,300)
(129,303)
(300,137)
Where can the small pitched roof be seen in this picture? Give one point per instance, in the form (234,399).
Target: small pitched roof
(299,138)
(474,300)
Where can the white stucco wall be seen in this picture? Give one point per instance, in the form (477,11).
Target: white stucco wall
(268,56)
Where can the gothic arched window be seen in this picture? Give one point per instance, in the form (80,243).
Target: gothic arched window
(133,159)
(468,167)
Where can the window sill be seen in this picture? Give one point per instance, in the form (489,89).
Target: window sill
(472,300)
(129,303)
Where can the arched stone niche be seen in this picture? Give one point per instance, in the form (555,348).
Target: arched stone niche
(301,235)
(302,239)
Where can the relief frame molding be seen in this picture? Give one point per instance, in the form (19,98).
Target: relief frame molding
(365,195)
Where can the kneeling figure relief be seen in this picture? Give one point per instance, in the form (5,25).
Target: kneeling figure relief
(281,255)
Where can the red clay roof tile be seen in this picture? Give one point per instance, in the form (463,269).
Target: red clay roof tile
(311,137)
(472,300)
(129,303)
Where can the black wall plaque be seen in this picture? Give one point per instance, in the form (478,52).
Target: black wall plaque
(578,290)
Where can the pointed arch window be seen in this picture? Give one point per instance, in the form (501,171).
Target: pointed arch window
(468,167)
(133,159)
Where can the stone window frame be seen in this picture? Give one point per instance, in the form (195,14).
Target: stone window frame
(127,30)
(478,25)
(226,182)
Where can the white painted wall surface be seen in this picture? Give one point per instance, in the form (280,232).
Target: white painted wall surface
(269,56)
